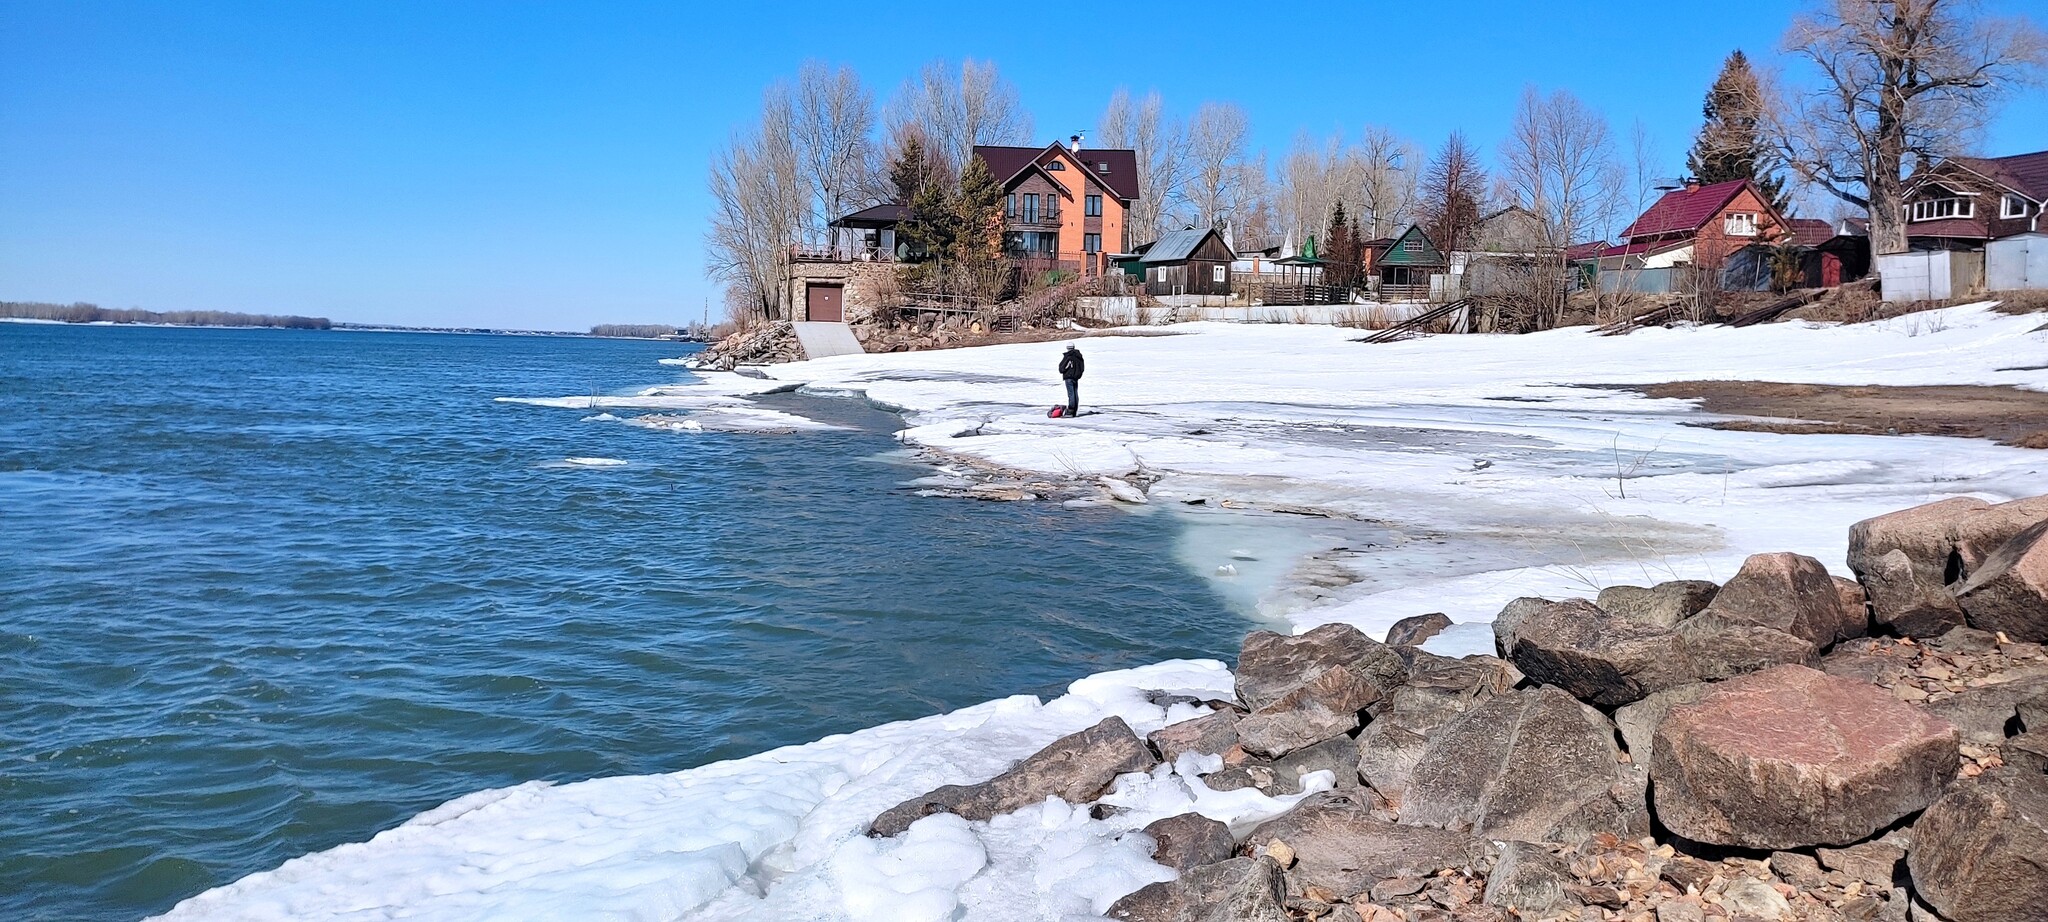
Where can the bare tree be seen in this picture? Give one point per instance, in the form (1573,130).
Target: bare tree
(958,110)
(1902,83)
(1315,178)
(1216,162)
(759,203)
(1451,192)
(1559,163)
(1386,181)
(1161,148)
(832,119)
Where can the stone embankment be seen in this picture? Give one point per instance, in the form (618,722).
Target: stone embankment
(1786,746)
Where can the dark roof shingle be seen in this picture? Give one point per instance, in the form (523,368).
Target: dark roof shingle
(1121,177)
(1684,211)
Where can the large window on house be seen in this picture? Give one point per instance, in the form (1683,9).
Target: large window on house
(1030,207)
(1010,209)
(1094,205)
(1934,209)
(2012,206)
(1740,224)
(1052,207)
(1091,243)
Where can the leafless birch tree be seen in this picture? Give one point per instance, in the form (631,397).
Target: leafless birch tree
(1161,147)
(960,109)
(760,200)
(1216,143)
(832,120)
(1386,182)
(1559,163)
(1901,84)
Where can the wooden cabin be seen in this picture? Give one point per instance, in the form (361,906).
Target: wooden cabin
(1404,269)
(1189,262)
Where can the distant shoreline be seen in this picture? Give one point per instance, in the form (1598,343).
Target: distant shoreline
(332,327)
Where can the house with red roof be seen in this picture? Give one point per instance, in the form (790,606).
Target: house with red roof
(1962,203)
(1698,226)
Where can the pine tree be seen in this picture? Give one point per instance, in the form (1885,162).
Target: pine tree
(1340,264)
(910,171)
(978,213)
(1730,145)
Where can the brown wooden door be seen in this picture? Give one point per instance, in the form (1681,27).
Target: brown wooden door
(822,302)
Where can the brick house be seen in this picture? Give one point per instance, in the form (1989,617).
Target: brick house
(1699,226)
(1065,207)
(1962,203)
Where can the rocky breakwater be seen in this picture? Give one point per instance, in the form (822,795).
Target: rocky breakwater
(1786,746)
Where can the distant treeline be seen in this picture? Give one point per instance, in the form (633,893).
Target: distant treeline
(634,330)
(82,312)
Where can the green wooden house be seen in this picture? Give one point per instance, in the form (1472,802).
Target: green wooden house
(1405,268)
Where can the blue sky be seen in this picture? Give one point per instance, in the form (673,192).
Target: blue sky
(542,165)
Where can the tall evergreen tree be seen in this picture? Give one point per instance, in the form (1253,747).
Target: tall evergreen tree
(1340,249)
(1731,145)
(911,169)
(978,212)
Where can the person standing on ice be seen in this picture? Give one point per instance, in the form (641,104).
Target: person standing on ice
(1071,366)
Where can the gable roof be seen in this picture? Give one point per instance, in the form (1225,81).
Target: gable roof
(1810,232)
(2026,174)
(1007,162)
(1685,211)
(1413,248)
(1587,250)
(1176,246)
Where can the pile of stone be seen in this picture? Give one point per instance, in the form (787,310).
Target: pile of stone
(1786,746)
(768,343)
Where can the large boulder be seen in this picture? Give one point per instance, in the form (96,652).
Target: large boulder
(1189,840)
(1209,734)
(2008,593)
(1413,630)
(1791,757)
(1077,769)
(1983,713)
(1439,689)
(1534,765)
(1325,706)
(1946,541)
(1601,659)
(1237,890)
(1340,846)
(1788,592)
(1722,649)
(1665,604)
(1980,853)
(1907,602)
(1270,665)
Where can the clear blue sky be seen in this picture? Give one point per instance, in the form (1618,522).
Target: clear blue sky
(542,165)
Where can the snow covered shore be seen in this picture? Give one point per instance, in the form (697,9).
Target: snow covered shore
(1502,465)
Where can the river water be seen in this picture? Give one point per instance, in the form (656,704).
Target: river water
(265,592)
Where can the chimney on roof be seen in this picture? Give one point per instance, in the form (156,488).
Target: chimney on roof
(1692,184)
(1075,141)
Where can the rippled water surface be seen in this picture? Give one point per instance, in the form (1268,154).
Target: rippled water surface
(264,592)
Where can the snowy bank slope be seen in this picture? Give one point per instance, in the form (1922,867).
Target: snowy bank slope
(1295,415)
(778,835)
(1509,462)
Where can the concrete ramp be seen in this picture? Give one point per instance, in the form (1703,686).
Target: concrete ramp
(823,338)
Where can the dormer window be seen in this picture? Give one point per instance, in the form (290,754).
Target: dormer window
(2012,206)
(1740,224)
(1102,166)
(1935,209)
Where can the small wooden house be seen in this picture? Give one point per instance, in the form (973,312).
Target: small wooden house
(1189,262)
(1404,269)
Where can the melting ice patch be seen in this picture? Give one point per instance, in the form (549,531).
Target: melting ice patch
(593,462)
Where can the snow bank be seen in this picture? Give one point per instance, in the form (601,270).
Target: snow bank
(1500,465)
(778,835)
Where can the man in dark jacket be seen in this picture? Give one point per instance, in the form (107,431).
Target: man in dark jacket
(1071,366)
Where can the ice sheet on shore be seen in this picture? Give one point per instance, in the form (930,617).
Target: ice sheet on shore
(777,835)
(1460,472)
